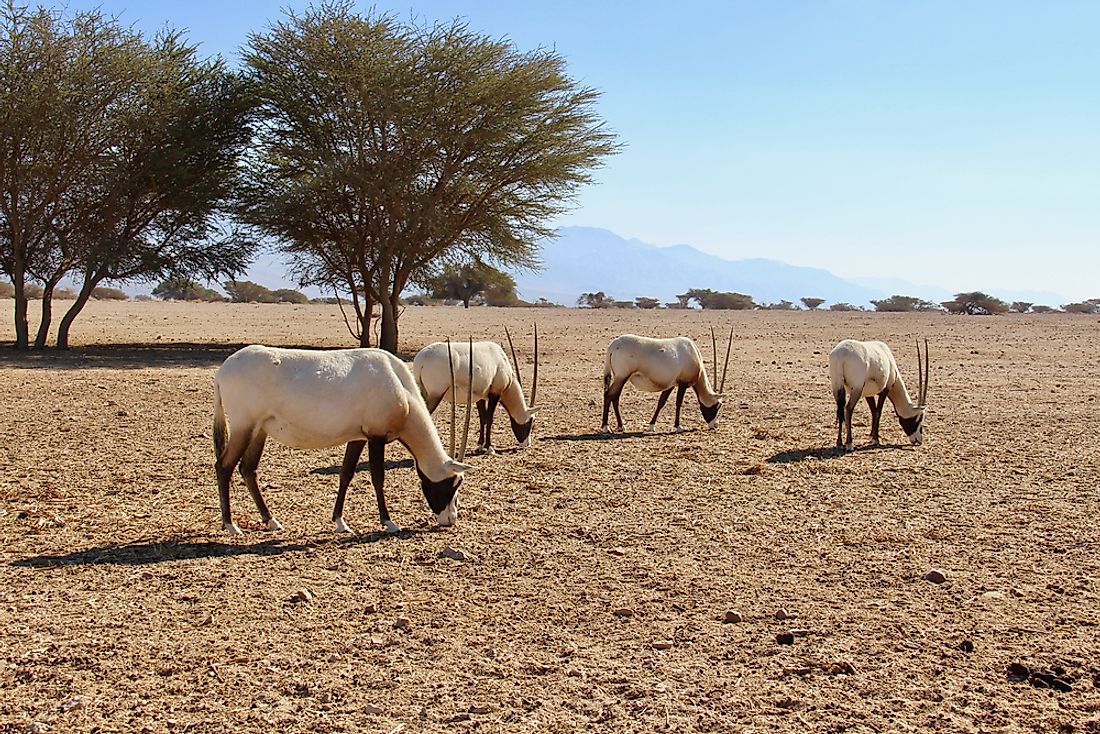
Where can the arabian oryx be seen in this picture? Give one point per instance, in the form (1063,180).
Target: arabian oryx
(659,365)
(868,369)
(318,399)
(494,380)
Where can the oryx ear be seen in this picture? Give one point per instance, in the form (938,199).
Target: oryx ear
(458,467)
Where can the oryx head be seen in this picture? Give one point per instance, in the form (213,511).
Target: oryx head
(522,431)
(442,495)
(913,427)
(710,412)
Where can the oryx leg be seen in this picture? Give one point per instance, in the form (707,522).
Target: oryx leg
(612,390)
(433,401)
(679,404)
(849,409)
(660,404)
(876,415)
(376,455)
(249,461)
(490,410)
(841,399)
(482,419)
(224,466)
(347,470)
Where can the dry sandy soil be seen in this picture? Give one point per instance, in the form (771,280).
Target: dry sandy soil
(587,582)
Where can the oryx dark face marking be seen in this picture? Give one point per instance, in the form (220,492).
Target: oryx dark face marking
(709,414)
(912,427)
(522,430)
(439,494)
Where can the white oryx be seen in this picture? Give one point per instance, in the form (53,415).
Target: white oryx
(867,370)
(659,365)
(318,399)
(439,373)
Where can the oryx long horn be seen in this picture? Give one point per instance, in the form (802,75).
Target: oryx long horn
(920,377)
(714,347)
(726,366)
(535,377)
(469,404)
(927,374)
(454,398)
(515,362)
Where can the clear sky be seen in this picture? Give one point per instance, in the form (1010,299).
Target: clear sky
(944,142)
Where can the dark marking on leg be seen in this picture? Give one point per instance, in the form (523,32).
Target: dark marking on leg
(660,404)
(347,470)
(841,399)
(481,419)
(224,466)
(249,461)
(849,409)
(490,411)
(612,391)
(680,391)
(376,455)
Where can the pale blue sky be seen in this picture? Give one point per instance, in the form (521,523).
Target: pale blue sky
(954,143)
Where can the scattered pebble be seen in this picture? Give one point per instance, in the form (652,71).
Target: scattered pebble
(840,667)
(1018,672)
(453,553)
(784,614)
(370,608)
(371,709)
(935,576)
(302,595)
(402,623)
(966,646)
(623,612)
(480,709)
(732,617)
(617,551)
(662,644)
(76,702)
(785,638)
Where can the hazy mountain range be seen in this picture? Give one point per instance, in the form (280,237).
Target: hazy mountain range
(587,260)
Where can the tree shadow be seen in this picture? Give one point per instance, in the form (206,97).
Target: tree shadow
(827,452)
(130,356)
(362,466)
(601,436)
(153,552)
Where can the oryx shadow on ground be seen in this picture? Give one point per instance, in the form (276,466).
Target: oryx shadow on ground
(827,452)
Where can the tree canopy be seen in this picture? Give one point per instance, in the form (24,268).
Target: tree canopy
(385,146)
(471,279)
(976,303)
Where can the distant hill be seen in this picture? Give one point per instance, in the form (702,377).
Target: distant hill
(585,259)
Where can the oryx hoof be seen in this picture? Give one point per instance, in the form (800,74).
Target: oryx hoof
(649,428)
(231,528)
(678,429)
(391,528)
(274,525)
(341,526)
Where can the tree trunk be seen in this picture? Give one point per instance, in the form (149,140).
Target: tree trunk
(365,321)
(388,338)
(466,302)
(47,313)
(74,310)
(22,330)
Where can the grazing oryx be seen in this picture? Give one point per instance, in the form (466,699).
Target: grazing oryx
(494,381)
(659,365)
(319,399)
(868,369)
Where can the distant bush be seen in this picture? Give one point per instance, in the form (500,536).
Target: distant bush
(64,294)
(1043,309)
(812,303)
(289,295)
(32,290)
(1090,306)
(598,299)
(109,294)
(904,304)
(781,306)
(723,301)
(1020,306)
(7,290)
(183,289)
(975,303)
(646,302)
(245,291)
(144,297)
(326,300)
(844,307)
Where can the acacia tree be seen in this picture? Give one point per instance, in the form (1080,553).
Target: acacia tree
(386,146)
(115,156)
(470,279)
(812,303)
(975,303)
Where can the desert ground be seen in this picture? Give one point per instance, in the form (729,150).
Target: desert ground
(592,583)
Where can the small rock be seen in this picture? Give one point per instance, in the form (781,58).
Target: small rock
(623,612)
(841,667)
(617,551)
(76,702)
(785,638)
(662,644)
(935,576)
(784,614)
(402,623)
(991,596)
(732,617)
(371,709)
(453,553)
(966,646)
(37,727)
(370,608)
(377,642)
(480,709)
(1018,672)
(302,595)
(459,718)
